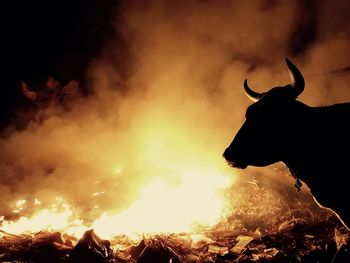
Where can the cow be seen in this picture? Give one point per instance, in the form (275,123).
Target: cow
(313,142)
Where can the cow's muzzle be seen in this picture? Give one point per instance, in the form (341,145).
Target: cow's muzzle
(232,163)
(236,165)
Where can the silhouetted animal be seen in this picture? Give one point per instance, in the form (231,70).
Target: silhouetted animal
(313,142)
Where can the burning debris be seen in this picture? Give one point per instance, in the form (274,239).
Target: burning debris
(296,232)
(301,242)
(91,248)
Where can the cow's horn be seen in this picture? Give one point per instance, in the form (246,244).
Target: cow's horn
(254,96)
(297,78)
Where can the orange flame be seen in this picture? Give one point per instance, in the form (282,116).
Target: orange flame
(183,194)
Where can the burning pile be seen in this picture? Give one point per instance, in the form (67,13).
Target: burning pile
(215,246)
(249,231)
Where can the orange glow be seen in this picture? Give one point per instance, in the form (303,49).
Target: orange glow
(160,208)
(163,208)
(50,219)
(181,194)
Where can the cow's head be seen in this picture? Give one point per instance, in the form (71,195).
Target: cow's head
(270,122)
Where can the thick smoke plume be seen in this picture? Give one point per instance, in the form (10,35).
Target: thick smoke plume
(182,95)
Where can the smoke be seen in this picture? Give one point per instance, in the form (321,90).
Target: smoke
(181,99)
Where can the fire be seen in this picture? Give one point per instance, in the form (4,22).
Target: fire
(182,194)
(51,219)
(163,208)
(160,208)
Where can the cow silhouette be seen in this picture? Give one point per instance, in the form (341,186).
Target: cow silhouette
(313,142)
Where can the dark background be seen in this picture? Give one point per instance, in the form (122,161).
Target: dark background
(54,38)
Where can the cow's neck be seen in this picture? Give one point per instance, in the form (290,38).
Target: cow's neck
(318,137)
(302,147)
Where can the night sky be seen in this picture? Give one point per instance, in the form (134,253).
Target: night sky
(50,38)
